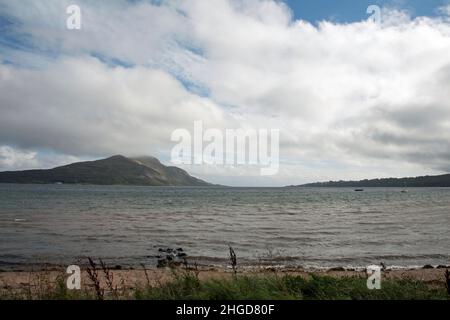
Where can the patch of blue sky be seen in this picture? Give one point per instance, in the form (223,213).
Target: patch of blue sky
(175,72)
(10,38)
(15,44)
(111,61)
(347,11)
(195,88)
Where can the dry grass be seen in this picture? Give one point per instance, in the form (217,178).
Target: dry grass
(101,282)
(447,281)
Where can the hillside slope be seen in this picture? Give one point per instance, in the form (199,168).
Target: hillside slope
(116,170)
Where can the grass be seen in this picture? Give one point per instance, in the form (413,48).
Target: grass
(186,285)
(447,281)
(44,289)
(273,287)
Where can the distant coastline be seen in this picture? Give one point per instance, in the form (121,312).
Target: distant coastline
(439,181)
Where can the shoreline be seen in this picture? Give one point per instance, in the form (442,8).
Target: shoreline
(138,273)
(163,283)
(43,267)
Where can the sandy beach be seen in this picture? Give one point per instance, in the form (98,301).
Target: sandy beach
(130,279)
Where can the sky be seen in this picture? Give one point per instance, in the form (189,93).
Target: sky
(353,98)
(347,11)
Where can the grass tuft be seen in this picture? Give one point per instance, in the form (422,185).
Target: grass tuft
(273,287)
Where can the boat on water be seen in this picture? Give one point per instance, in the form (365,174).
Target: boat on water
(359,190)
(404,190)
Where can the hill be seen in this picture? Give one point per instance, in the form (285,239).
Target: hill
(423,181)
(116,170)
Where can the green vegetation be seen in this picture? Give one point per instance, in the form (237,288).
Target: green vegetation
(116,170)
(44,289)
(187,285)
(425,181)
(272,287)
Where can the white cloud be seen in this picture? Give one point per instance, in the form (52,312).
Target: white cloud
(344,95)
(444,10)
(83,107)
(11,158)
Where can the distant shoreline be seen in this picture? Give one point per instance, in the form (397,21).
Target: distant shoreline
(437,181)
(217,186)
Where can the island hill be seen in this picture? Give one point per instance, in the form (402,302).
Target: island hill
(416,182)
(116,170)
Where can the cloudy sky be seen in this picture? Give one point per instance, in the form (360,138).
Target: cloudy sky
(353,98)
